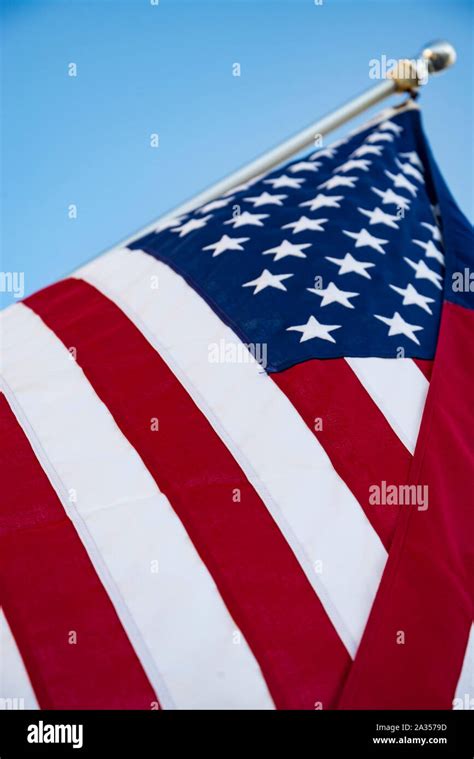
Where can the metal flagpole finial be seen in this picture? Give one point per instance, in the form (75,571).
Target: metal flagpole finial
(439,55)
(408,75)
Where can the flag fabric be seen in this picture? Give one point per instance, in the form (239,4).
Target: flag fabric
(237,454)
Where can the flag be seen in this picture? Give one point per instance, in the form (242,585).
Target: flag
(237,452)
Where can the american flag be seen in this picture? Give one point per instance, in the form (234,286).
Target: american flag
(214,443)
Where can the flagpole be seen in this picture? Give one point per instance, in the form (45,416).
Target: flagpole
(406,76)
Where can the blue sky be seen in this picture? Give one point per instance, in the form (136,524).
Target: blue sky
(167,69)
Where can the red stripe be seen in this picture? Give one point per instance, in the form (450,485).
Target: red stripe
(258,576)
(425,588)
(425,366)
(362,446)
(49,589)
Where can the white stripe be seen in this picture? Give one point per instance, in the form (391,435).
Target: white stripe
(399,389)
(175,618)
(16,691)
(314,509)
(464,696)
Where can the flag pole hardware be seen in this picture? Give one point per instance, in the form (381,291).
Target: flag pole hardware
(409,74)
(406,77)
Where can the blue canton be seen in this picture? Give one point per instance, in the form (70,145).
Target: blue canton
(338,253)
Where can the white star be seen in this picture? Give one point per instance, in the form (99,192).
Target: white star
(391,126)
(266,199)
(367,150)
(338,181)
(414,158)
(400,180)
(332,294)
(304,166)
(287,248)
(304,223)
(226,243)
(324,153)
(424,272)
(399,326)
(267,279)
(244,218)
(365,239)
(389,197)
(435,231)
(379,137)
(191,225)
(214,205)
(377,216)
(285,181)
(349,265)
(413,298)
(322,201)
(410,170)
(431,251)
(313,328)
(361,163)
(168,223)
